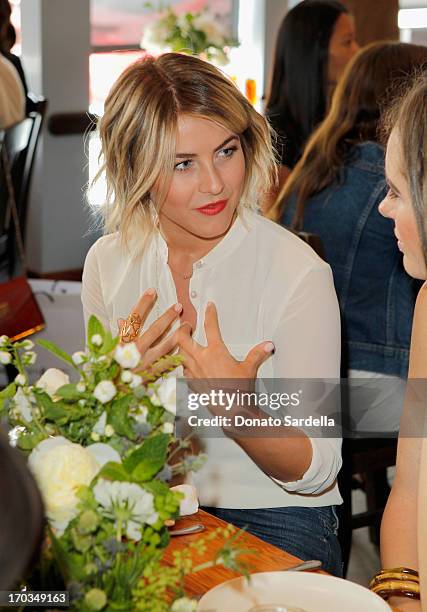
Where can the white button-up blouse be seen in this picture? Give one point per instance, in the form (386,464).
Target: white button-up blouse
(267,284)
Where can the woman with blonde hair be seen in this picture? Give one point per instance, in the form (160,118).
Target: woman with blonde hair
(334,192)
(187,160)
(404,525)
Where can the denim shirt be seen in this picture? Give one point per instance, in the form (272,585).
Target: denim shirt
(375,294)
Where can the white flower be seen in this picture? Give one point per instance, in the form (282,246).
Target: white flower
(136,381)
(52,380)
(109,431)
(127,355)
(183,604)
(127,501)
(167,428)
(183,24)
(60,467)
(5,358)
(141,416)
(27,345)
(14,434)
(81,387)
(20,380)
(96,339)
(3,340)
(23,405)
(206,22)
(99,427)
(105,391)
(190,504)
(126,376)
(165,394)
(29,358)
(78,357)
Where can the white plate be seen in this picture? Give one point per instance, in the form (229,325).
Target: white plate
(311,592)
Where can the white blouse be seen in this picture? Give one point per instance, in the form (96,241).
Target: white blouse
(267,284)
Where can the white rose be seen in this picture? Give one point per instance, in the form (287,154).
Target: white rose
(78,357)
(105,391)
(5,358)
(165,394)
(190,504)
(126,376)
(127,355)
(60,467)
(52,380)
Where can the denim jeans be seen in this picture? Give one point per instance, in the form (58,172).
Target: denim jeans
(307,533)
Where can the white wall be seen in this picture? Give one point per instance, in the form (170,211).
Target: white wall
(55,50)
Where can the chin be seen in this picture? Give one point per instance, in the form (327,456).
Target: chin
(416,269)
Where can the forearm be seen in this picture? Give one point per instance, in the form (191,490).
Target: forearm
(398,533)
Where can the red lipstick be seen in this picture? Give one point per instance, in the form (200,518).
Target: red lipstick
(213,209)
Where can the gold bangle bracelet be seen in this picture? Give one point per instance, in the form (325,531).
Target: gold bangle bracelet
(397,588)
(397,573)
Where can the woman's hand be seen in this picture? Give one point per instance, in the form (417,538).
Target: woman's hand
(153,343)
(214,360)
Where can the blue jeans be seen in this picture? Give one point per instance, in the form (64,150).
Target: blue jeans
(307,533)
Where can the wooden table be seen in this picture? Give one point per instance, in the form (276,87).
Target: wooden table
(265,557)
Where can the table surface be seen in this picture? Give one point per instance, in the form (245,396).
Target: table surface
(264,557)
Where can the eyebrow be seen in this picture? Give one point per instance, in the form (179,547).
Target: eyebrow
(226,141)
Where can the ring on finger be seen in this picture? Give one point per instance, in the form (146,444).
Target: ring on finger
(131,328)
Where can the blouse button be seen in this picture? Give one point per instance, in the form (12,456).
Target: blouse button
(193,294)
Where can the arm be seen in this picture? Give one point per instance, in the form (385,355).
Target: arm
(92,296)
(399,526)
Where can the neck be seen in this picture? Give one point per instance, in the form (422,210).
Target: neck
(181,242)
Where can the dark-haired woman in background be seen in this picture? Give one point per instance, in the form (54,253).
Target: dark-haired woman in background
(315,42)
(334,192)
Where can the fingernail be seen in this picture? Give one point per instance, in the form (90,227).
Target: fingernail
(178,307)
(269,347)
(209,304)
(150,291)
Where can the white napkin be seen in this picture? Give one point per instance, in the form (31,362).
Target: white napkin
(190,504)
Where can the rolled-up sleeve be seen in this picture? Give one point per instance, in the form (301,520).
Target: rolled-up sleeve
(308,346)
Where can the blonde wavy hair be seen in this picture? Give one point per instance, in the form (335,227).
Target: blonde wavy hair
(138,134)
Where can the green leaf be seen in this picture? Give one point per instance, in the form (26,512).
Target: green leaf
(58,352)
(70,564)
(119,417)
(94,327)
(28,442)
(57,412)
(144,462)
(8,392)
(109,344)
(68,392)
(114,471)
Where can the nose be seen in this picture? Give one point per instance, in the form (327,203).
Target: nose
(387,208)
(210,179)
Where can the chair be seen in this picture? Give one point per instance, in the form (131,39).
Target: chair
(20,141)
(368,458)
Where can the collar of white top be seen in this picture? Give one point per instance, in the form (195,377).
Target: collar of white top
(237,232)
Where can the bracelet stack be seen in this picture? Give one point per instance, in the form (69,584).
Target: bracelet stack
(396,582)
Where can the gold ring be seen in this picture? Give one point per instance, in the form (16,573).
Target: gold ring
(131,328)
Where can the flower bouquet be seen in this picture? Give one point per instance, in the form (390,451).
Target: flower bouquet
(197,33)
(102,451)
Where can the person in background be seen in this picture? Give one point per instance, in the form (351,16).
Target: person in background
(12,87)
(404,524)
(315,42)
(334,192)
(187,158)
